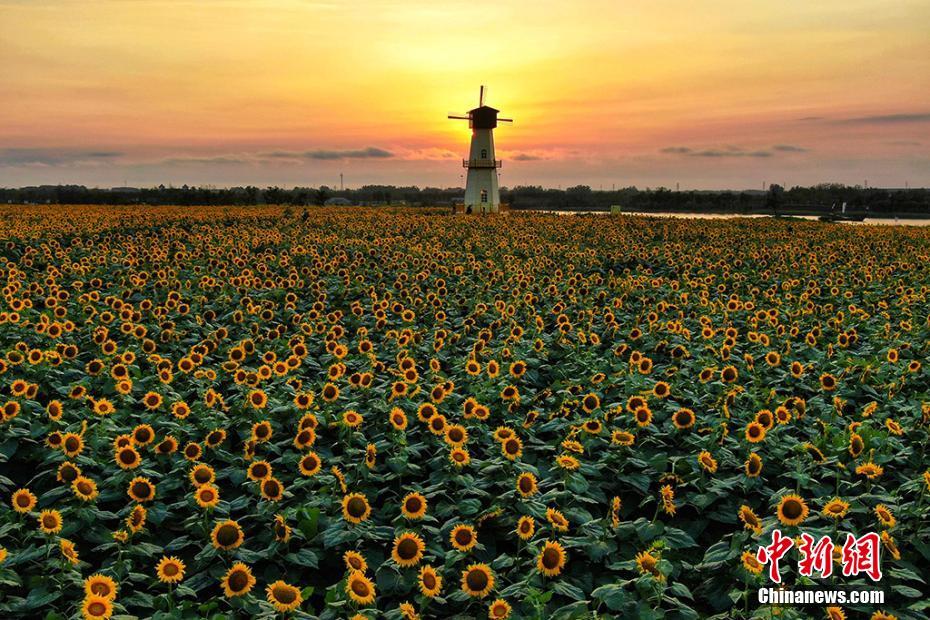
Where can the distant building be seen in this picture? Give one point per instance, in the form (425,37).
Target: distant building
(338,202)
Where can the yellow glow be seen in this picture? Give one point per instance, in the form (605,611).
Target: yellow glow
(599,81)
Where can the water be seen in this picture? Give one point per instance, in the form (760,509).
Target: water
(877,221)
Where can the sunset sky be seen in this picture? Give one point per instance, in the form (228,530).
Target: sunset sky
(710,94)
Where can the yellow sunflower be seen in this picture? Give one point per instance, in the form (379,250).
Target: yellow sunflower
(237,581)
(283,596)
(792,509)
(551,559)
(477,580)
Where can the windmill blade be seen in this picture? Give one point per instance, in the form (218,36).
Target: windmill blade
(459,117)
(481,96)
(505,120)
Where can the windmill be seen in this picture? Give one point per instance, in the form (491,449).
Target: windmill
(481,190)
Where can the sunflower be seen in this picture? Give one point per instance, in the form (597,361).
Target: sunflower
(96,608)
(170,570)
(355,508)
(227,535)
(749,519)
(463,537)
(557,520)
(753,465)
(499,610)
(828,382)
(648,564)
(50,521)
(870,470)
(567,462)
(237,581)
(643,416)
(707,462)
(192,451)
(272,489)
(128,458)
(408,549)
(141,489)
(352,418)
(437,424)
(413,506)
(622,438)
(143,434)
(202,474)
(84,488)
(750,563)
(407,611)
(792,510)
(168,445)
(729,374)
(590,402)
(72,444)
(551,559)
(68,550)
(885,517)
(856,445)
(755,432)
(100,585)
(890,545)
(360,589)
(459,457)
(136,519)
(683,418)
(103,406)
(430,581)
(207,496)
(512,448)
(765,418)
(309,465)
(477,580)
(23,501)
(283,596)
(526,527)
(354,561)
(835,508)
(661,389)
(261,431)
(456,435)
(526,484)
(258,399)
(835,613)
(398,419)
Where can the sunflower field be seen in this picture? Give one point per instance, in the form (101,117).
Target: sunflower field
(365,413)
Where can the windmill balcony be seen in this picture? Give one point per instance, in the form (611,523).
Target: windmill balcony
(481,163)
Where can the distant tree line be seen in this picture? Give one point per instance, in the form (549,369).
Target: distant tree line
(797,200)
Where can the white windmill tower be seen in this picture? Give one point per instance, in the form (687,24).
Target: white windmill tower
(481,191)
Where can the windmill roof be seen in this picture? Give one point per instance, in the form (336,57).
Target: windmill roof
(484,108)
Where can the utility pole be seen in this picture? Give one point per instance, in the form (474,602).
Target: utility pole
(341,185)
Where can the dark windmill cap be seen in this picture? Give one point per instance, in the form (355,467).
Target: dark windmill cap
(483,117)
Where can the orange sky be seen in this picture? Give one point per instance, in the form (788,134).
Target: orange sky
(707,94)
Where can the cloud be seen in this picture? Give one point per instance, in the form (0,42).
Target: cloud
(714,153)
(526,157)
(789,148)
(371,152)
(876,119)
(219,159)
(53,157)
(889,119)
